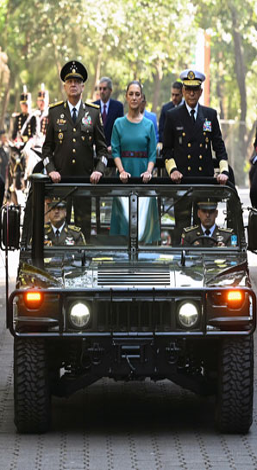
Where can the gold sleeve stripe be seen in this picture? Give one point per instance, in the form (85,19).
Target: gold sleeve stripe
(170,165)
(223,165)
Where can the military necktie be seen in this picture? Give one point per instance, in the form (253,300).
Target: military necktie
(192,112)
(74,115)
(57,234)
(104,115)
(207,232)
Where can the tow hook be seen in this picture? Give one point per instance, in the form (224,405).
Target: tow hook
(172,352)
(96,353)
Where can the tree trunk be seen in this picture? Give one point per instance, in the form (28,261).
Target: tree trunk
(157,85)
(97,74)
(5,103)
(240,75)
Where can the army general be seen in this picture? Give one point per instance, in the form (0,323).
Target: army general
(74,130)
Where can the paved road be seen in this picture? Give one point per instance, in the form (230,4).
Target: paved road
(121,426)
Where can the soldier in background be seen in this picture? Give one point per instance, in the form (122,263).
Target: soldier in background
(33,149)
(4,153)
(57,231)
(25,122)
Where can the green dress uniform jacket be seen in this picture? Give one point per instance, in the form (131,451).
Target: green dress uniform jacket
(187,146)
(70,235)
(190,237)
(69,147)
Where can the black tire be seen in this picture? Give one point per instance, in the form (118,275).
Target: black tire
(32,401)
(234,407)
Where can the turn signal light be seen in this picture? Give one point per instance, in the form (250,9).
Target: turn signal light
(33,299)
(235,298)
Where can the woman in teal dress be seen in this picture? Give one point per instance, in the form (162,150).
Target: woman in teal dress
(134,151)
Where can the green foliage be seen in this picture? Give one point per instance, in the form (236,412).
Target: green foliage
(125,39)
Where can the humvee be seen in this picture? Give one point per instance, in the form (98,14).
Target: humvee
(129,309)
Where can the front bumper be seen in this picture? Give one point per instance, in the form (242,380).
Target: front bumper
(131,312)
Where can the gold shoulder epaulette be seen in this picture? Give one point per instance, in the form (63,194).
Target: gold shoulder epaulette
(52,105)
(97,106)
(75,228)
(188,229)
(47,227)
(228,230)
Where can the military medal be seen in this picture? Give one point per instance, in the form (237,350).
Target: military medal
(207,126)
(60,136)
(61,121)
(69,241)
(87,120)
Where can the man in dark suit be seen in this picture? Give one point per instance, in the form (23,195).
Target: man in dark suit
(176,100)
(74,129)
(189,132)
(110,109)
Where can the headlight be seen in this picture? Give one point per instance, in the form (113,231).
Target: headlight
(188,314)
(79,315)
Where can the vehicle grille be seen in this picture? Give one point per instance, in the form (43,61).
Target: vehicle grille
(129,277)
(135,315)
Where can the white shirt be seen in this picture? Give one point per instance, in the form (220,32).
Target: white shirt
(104,104)
(190,109)
(58,228)
(211,230)
(71,106)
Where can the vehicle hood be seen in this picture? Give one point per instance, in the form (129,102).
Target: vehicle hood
(147,271)
(151,271)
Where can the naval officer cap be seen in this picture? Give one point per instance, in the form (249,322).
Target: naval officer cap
(73,69)
(191,77)
(207,204)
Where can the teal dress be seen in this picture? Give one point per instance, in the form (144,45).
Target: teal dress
(135,137)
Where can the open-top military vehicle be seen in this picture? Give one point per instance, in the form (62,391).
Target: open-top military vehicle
(127,308)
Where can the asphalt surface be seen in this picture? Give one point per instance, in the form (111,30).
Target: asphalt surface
(121,426)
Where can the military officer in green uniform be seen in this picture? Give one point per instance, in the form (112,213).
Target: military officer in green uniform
(74,130)
(57,231)
(207,233)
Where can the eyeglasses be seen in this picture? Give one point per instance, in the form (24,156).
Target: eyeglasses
(102,88)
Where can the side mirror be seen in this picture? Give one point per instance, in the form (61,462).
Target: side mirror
(252,230)
(10,227)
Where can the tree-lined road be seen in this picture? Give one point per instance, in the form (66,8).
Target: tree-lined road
(121,426)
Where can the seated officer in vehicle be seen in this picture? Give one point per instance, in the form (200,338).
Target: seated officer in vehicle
(57,231)
(207,233)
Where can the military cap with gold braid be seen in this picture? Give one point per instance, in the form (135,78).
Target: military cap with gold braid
(73,69)
(191,77)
